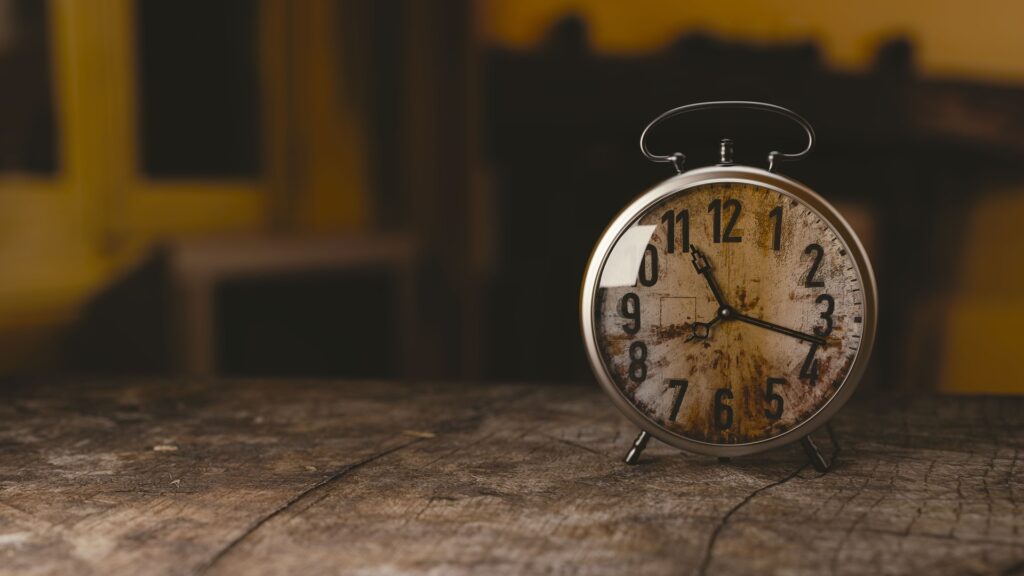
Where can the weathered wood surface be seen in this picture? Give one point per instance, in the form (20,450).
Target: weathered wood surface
(384,478)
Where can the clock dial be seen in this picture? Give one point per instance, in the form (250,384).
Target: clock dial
(729,313)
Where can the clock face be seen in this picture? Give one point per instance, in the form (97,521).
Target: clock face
(729,313)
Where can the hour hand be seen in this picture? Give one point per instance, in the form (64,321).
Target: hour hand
(701,330)
(703,267)
(700,263)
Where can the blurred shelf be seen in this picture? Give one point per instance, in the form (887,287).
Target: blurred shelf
(200,267)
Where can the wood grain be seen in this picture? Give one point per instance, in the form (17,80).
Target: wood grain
(385,478)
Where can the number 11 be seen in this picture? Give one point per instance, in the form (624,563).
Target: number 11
(670,218)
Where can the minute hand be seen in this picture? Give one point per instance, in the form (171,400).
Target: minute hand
(780,329)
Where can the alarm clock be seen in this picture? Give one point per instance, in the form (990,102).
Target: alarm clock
(729,309)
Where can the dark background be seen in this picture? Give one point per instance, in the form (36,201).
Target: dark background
(427,179)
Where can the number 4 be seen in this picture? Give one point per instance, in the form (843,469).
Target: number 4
(809,370)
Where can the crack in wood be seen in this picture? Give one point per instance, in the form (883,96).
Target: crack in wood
(429,503)
(710,548)
(460,448)
(571,443)
(834,563)
(234,543)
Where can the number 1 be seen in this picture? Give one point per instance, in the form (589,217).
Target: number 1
(776,214)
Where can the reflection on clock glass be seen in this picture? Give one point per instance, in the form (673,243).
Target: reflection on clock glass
(729,313)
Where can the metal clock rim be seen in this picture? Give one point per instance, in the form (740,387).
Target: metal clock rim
(710,175)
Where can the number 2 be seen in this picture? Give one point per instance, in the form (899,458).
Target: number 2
(811,281)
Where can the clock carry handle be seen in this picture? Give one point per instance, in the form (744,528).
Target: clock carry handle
(678,159)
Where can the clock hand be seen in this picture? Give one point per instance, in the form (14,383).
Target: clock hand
(702,330)
(703,267)
(780,329)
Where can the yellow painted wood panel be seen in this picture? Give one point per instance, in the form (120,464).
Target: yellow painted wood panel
(62,239)
(332,195)
(982,335)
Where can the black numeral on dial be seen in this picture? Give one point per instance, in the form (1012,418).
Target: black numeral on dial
(812,275)
(638,364)
(677,400)
(826,315)
(774,400)
(723,411)
(629,308)
(809,370)
(776,215)
(717,232)
(649,266)
(683,218)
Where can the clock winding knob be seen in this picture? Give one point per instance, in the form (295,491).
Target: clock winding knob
(725,152)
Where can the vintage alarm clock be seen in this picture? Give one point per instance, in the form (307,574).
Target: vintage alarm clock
(729,309)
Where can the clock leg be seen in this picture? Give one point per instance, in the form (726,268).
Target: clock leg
(638,446)
(820,463)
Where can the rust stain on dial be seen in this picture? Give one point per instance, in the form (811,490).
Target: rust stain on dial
(807,282)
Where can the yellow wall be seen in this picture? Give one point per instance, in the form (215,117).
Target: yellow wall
(978,39)
(63,238)
(984,314)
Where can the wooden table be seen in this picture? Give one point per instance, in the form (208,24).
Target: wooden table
(229,477)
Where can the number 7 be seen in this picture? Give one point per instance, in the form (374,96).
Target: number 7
(677,401)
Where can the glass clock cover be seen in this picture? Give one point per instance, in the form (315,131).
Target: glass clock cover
(729,313)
